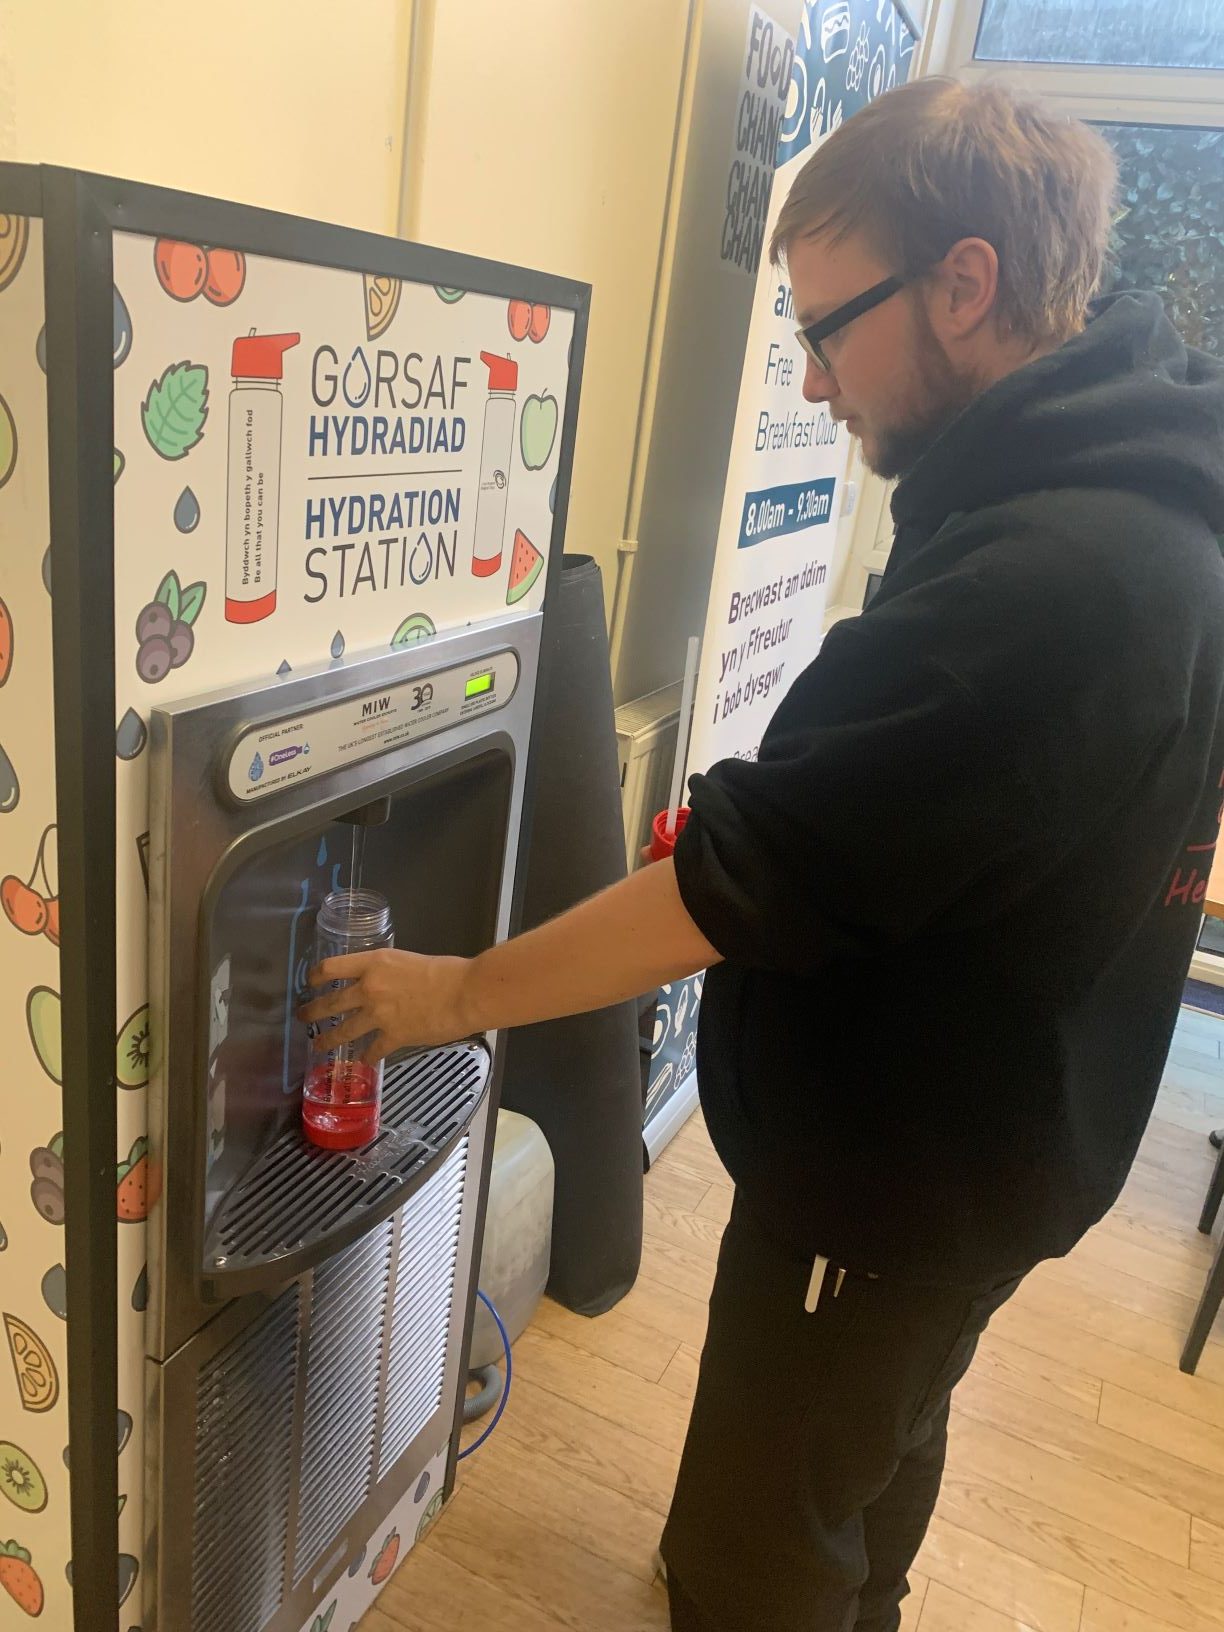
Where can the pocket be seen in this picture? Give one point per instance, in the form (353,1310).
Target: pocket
(957,1357)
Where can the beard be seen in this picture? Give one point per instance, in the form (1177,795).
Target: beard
(931,395)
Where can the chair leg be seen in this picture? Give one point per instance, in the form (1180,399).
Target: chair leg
(1215,1195)
(1205,1314)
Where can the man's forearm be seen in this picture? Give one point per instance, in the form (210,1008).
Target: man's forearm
(629,939)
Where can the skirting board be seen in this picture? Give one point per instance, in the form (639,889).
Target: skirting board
(663,1128)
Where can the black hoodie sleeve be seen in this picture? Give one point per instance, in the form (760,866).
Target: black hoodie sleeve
(882,804)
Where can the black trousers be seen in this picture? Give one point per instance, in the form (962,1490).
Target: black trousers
(816,1445)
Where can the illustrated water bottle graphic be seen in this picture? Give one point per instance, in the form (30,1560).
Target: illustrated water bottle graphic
(495,449)
(256,410)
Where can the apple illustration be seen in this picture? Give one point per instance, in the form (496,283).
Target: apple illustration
(538,430)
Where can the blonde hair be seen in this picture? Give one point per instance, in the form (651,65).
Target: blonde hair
(937,161)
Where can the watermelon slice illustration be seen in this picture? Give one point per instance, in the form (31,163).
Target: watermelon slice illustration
(525,567)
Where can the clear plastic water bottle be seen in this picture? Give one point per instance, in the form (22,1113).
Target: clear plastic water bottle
(342,1094)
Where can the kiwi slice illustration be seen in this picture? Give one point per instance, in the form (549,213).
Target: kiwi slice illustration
(20,1479)
(132,1050)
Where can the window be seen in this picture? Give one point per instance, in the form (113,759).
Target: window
(1122,33)
(1171,235)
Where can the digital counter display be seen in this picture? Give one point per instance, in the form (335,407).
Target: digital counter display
(480,684)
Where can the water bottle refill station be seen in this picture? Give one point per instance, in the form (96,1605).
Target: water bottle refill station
(305,496)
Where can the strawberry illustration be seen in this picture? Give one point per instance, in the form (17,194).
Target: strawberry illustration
(385,1562)
(139,1185)
(19,1578)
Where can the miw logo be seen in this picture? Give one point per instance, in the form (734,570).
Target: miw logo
(376,705)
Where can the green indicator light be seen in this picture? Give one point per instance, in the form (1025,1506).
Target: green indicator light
(482,682)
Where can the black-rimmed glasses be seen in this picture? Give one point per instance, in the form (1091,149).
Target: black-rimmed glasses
(812,338)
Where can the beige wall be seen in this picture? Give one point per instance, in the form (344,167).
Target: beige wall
(295,105)
(540,133)
(545,137)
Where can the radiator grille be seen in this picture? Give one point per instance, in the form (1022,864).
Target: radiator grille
(243,1462)
(343,1362)
(421,1307)
(296,1195)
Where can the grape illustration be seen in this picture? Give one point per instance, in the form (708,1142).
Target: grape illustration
(858,60)
(182,644)
(154,623)
(154,660)
(164,630)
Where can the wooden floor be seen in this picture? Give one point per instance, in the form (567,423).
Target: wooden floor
(1085,1486)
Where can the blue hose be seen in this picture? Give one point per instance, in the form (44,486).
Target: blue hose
(501,1404)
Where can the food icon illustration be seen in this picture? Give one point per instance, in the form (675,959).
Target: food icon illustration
(138,1188)
(387,1555)
(33,906)
(43,1019)
(132,1050)
(37,1378)
(187,270)
(528,321)
(181,268)
(164,629)
(256,412)
(14,240)
(226,276)
(47,1190)
(174,411)
(494,483)
(20,1479)
(538,430)
(416,626)
(20,1580)
(526,566)
(382,298)
(8,443)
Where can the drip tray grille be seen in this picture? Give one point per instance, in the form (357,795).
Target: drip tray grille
(300,1203)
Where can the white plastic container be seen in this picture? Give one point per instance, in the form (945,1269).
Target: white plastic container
(518,1234)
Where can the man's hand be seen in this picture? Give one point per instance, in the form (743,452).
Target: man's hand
(408,1001)
(633,937)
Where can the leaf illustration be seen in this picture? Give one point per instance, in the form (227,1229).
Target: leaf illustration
(175,409)
(170,594)
(192,602)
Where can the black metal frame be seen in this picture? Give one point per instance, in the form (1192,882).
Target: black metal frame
(81,212)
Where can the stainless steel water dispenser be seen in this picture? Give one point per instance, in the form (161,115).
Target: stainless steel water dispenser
(308,1308)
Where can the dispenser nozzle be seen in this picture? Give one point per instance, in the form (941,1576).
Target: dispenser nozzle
(376,814)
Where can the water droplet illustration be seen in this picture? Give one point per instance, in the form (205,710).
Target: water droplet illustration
(357,379)
(10,788)
(256,768)
(140,1292)
(187,512)
(40,348)
(321,858)
(131,735)
(337,645)
(284,668)
(122,331)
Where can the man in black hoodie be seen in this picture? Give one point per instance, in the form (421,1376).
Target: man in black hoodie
(949,911)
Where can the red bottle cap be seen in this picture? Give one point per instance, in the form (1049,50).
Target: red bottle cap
(503,371)
(262,356)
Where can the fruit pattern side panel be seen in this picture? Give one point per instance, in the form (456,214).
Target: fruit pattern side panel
(35,1536)
(309,463)
(370,1569)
